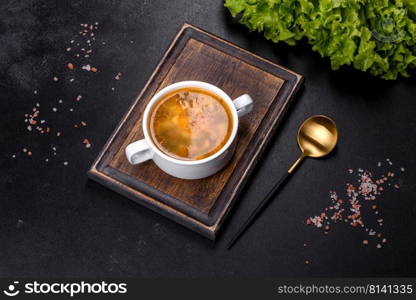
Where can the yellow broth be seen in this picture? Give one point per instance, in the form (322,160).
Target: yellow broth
(190,124)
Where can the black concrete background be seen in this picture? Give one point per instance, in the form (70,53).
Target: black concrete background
(55,222)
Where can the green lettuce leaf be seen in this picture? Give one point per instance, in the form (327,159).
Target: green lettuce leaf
(376,36)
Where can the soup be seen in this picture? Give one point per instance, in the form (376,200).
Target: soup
(190,124)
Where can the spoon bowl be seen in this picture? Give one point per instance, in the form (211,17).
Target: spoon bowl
(317,136)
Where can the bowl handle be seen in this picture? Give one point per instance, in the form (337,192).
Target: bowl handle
(243,105)
(138,152)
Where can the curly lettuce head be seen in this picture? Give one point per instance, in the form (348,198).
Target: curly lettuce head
(377,36)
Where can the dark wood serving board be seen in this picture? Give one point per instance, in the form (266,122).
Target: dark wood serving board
(202,204)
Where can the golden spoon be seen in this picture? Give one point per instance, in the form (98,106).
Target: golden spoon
(317,137)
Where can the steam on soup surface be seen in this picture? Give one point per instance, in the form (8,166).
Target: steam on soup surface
(190,124)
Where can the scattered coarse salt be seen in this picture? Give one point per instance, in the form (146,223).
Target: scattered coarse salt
(14,156)
(402,169)
(65,163)
(86,67)
(378,246)
(354,211)
(87,143)
(118,76)
(81,47)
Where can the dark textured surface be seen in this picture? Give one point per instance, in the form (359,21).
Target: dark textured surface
(53,221)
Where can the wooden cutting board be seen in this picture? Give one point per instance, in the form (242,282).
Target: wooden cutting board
(202,204)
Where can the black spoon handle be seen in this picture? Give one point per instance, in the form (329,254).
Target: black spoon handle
(258,209)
